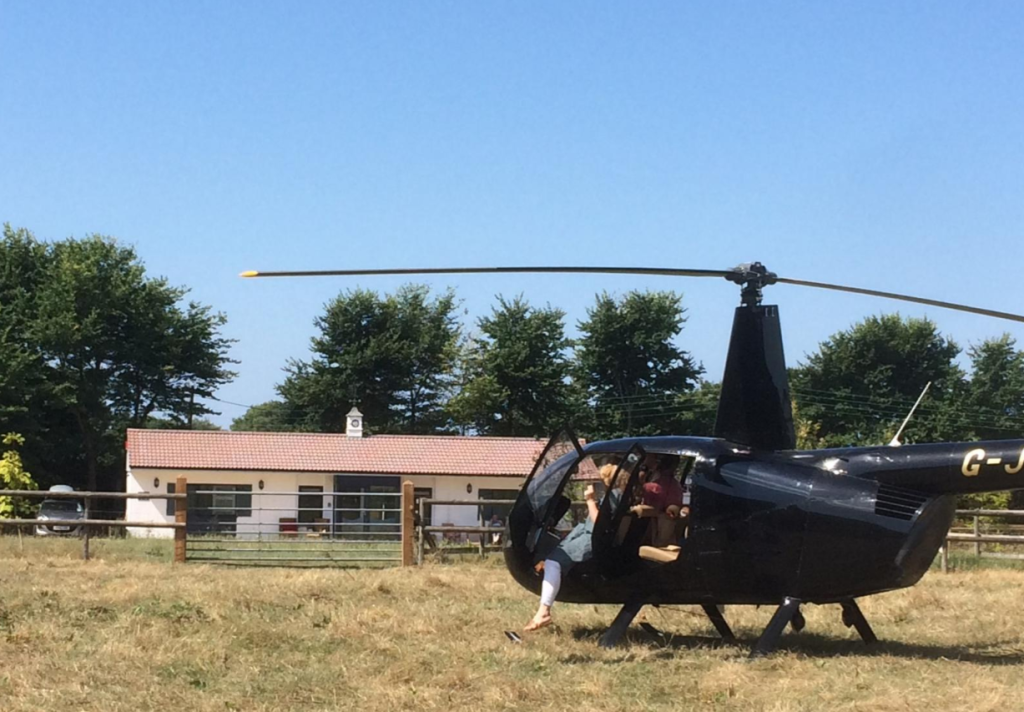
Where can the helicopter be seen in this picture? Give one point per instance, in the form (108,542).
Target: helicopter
(768,524)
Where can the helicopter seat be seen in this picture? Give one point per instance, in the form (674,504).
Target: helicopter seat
(660,554)
(637,512)
(666,532)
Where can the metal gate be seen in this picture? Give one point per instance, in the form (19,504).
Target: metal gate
(229,524)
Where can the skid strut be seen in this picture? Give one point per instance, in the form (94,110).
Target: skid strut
(718,620)
(852,616)
(621,623)
(770,637)
(797,622)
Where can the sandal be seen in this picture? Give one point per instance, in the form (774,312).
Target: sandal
(537,624)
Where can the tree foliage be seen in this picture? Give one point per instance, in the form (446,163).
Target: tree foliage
(103,347)
(392,357)
(861,383)
(157,423)
(14,477)
(995,396)
(629,365)
(517,373)
(272,416)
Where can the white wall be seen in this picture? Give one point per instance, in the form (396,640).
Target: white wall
(276,500)
(288,483)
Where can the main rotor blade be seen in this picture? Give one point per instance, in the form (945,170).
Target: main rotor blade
(657,271)
(644,271)
(903,297)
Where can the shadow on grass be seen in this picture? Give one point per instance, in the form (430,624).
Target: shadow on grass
(1006,652)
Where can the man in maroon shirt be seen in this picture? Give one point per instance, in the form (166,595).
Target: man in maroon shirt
(663,490)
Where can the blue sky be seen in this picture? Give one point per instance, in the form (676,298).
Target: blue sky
(873,144)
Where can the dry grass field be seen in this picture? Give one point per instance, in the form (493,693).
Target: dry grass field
(130,631)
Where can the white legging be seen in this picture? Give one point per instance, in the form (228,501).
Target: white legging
(552,582)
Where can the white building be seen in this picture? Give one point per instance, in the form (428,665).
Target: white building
(249,482)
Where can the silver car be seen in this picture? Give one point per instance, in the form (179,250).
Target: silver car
(59,509)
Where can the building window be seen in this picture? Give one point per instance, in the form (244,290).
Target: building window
(488,511)
(221,500)
(170,502)
(367,504)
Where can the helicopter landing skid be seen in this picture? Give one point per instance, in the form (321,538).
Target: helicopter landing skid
(718,620)
(770,637)
(621,623)
(852,616)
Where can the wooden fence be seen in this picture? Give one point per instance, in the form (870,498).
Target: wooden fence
(987,526)
(87,523)
(980,532)
(180,524)
(488,538)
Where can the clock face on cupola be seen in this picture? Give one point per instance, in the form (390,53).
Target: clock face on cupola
(354,423)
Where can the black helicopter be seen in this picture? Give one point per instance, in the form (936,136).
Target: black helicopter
(768,524)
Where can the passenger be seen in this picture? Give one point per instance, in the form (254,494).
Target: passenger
(574,549)
(498,525)
(663,491)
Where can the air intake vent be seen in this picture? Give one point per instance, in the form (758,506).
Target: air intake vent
(898,503)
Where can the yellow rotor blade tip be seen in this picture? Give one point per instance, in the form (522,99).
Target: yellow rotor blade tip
(250,273)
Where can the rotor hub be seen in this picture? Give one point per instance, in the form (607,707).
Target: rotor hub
(753,277)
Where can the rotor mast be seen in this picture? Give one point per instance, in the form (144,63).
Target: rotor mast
(753,277)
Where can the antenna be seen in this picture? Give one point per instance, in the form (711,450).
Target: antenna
(895,442)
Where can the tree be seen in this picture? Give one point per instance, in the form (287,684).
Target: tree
(517,374)
(694,412)
(861,383)
(157,423)
(996,391)
(392,357)
(14,477)
(23,389)
(110,348)
(629,366)
(272,416)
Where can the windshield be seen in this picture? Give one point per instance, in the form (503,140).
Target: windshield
(60,506)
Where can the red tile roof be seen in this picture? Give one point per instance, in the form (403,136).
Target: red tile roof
(329,452)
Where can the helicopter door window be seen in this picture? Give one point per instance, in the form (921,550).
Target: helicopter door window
(537,500)
(616,524)
(546,485)
(549,472)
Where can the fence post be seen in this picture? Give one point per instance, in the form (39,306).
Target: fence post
(480,518)
(408,524)
(85,533)
(421,539)
(977,533)
(180,517)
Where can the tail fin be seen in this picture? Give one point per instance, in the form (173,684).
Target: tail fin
(754,408)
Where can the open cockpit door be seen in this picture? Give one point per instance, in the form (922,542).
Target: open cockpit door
(540,504)
(616,527)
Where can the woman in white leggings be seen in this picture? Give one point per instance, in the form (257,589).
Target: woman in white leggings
(574,549)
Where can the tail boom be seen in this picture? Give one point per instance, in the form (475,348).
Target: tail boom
(945,468)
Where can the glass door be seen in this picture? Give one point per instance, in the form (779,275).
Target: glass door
(617,531)
(539,499)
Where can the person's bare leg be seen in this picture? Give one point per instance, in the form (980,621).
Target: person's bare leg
(548,592)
